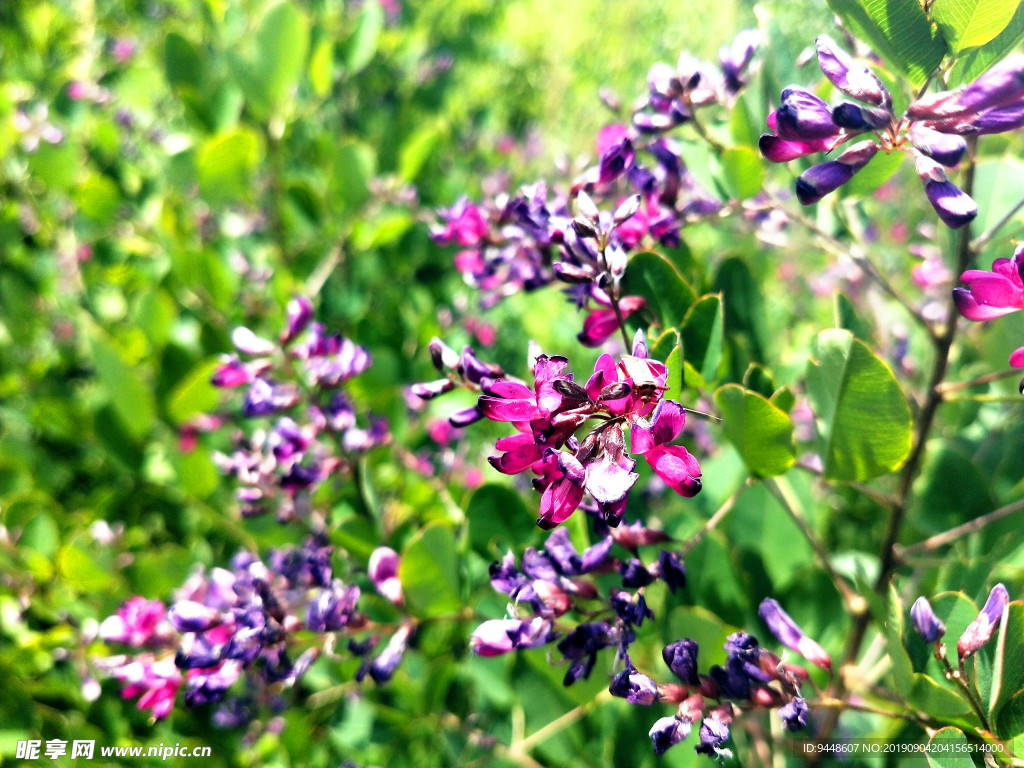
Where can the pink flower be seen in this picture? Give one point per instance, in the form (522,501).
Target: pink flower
(138,622)
(601,324)
(154,681)
(993,294)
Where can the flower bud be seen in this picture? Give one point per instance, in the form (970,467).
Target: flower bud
(953,205)
(980,630)
(790,635)
(817,181)
(925,621)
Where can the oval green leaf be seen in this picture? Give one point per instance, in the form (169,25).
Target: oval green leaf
(761,433)
(654,277)
(702,337)
(428,573)
(970,23)
(949,748)
(865,419)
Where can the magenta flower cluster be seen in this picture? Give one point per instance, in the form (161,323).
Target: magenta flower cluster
(752,678)
(993,294)
(932,128)
(620,395)
(558,579)
(296,380)
(251,622)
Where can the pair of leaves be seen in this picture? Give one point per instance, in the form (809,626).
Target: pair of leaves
(914,43)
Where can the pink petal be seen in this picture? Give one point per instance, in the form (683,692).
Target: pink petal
(675,465)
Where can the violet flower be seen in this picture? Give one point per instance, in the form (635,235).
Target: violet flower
(992,294)
(932,128)
(925,621)
(790,635)
(980,630)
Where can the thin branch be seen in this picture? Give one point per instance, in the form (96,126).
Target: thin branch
(954,386)
(520,747)
(783,492)
(953,534)
(983,239)
(713,521)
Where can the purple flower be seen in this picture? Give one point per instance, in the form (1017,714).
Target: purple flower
(714,732)
(672,570)
(667,732)
(992,294)
(817,181)
(681,658)
(790,635)
(383,572)
(804,117)
(383,667)
(333,608)
(300,314)
(925,621)
(794,714)
(138,622)
(855,81)
(954,206)
(580,648)
(980,630)
(634,687)
(497,636)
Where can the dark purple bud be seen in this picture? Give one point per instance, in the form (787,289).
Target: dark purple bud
(190,616)
(855,81)
(954,206)
(714,732)
(667,732)
(473,369)
(247,341)
(300,314)
(1009,117)
(672,570)
(790,635)
(794,714)
(980,630)
(943,148)
(803,117)
(333,608)
(925,621)
(383,667)
(428,390)
(681,658)
(465,417)
(615,161)
(1000,85)
(735,58)
(634,687)
(571,273)
(595,556)
(731,679)
(444,357)
(615,391)
(580,648)
(264,398)
(207,685)
(562,552)
(817,181)
(626,210)
(632,609)
(570,389)
(855,118)
(634,574)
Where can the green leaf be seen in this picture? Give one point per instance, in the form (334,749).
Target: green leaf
(194,394)
(702,338)
(873,175)
(936,700)
(98,198)
(744,129)
(1008,660)
(428,573)
(970,23)
(362,45)
(972,63)
(743,172)
(761,433)
(321,68)
(498,519)
(898,31)
(353,167)
(131,399)
(866,424)
(655,278)
(902,669)
(80,569)
(1010,721)
(226,164)
(282,40)
(949,748)
(182,63)
(417,148)
(998,185)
